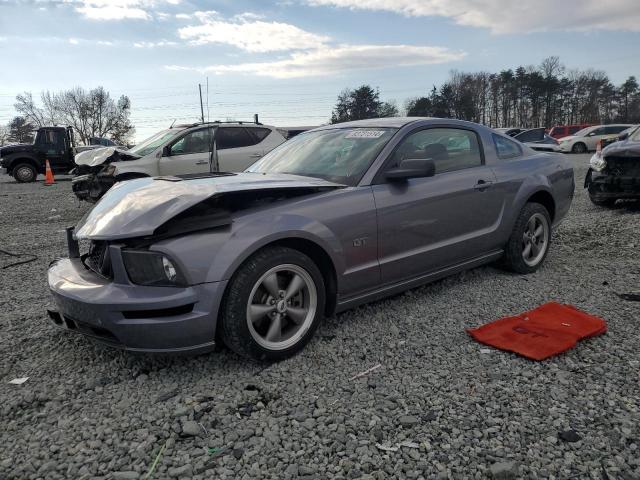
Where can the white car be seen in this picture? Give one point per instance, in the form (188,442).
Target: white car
(586,140)
(180,150)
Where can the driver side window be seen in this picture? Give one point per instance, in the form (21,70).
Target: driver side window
(194,142)
(450,148)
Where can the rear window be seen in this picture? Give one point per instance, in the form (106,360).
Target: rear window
(506,148)
(574,129)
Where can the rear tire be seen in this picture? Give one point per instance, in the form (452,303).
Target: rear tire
(529,242)
(605,202)
(579,148)
(24,173)
(274,303)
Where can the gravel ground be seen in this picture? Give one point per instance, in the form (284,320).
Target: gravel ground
(88,411)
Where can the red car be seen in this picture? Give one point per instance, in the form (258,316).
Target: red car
(560,131)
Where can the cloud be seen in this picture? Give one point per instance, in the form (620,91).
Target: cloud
(512,16)
(119,9)
(162,43)
(336,59)
(248,33)
(74,41)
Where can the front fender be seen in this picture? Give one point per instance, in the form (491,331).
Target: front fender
(215,255)
(253,236)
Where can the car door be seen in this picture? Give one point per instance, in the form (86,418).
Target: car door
(426,224)
(237,148)
(591,139)
(51,146)
(188,154)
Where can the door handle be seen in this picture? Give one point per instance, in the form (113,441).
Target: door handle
(202,162)
(255,155)
(482,185)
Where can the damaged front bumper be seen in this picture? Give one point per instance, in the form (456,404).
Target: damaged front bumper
(91,187)
(604,186)
(138,318)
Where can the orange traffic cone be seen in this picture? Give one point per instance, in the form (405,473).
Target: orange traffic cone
(48,176)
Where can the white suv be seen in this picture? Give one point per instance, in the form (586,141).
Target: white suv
(180,150)
(587,139)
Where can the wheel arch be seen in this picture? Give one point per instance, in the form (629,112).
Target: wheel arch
(130,176)
(316,253)
(545,198)
(13,162)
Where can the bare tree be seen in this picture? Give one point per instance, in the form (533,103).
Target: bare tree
(91,113)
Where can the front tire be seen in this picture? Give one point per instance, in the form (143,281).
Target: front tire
(273,305)
(579,148)
(24,173)
(529,242)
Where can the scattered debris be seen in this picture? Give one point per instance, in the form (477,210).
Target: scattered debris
(155,462)
(397,446)
(19,381)
(504,470)
(17,255)
(570,436)
(485,350)
(386,448)
(366,372)
(163,397)
(629,297)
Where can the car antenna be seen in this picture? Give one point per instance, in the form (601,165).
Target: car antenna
(174,121)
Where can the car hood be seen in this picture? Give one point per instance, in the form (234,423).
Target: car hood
(567,138)
(15,148)
(98,156)
(626,148)
(136,208)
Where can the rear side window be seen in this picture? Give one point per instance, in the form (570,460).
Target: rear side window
(506,148)
(259,133)
(614,129)
(234,137)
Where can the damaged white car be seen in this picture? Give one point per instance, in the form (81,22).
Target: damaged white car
(181,150)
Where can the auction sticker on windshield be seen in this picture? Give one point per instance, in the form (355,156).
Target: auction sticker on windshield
(365,134)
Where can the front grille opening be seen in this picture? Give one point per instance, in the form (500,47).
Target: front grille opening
(98,258)
(103,333)
(71,324)
(165,312)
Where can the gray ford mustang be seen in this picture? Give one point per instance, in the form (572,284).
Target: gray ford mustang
(335,217)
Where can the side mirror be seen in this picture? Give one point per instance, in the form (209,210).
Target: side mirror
(412,168)
(591,134)
(624,136)
(166,151)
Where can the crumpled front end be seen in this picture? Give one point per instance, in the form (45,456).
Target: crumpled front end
(95,172)
(615,173)
(94,296)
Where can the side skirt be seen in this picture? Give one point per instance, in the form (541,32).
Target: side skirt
(388,290)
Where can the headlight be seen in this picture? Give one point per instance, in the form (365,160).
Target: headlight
(108,170)
(151,269)
(597,163)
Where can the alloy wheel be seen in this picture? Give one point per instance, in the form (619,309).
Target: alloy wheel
(535,239)
(282,306)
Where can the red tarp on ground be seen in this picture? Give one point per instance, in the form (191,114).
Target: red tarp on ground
(541,333)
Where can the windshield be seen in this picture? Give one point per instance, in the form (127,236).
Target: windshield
(583,132)
(153,142)
(340,155)
(635,136)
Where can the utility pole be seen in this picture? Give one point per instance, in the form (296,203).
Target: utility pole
(201,106)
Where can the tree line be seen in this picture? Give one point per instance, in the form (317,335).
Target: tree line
(91,113)
(528,97)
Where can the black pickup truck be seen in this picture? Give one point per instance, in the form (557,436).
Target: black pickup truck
(25,161)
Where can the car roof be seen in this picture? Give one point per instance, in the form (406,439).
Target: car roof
(396,122)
